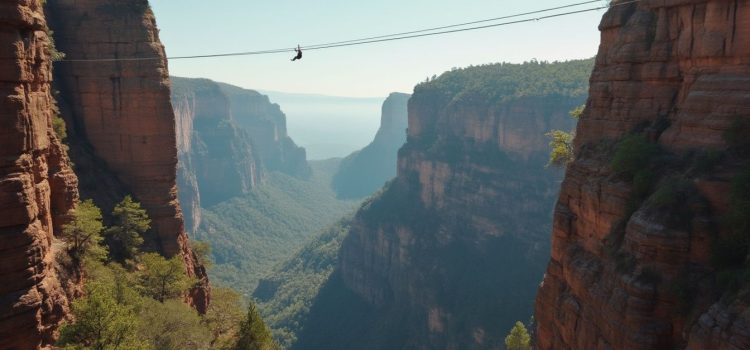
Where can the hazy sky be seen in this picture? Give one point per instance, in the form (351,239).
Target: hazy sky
(191,27)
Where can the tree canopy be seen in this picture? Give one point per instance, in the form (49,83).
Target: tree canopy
(131,222)
(83,232)
(518,338)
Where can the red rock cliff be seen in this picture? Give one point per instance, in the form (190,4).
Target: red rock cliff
(678,72)
(37,185)
(432,256)
(123,112)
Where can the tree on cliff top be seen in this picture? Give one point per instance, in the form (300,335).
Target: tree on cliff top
(518,338)
(131,222)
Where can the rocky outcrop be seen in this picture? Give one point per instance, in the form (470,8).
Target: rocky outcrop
(449,255)
(266,124)
(217,161)
(636,261)
(37,185)
(122,116)
(367,170)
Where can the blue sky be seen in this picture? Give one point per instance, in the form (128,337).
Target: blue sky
(198,27)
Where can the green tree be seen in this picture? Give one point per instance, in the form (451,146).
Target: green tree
(223,317)
(561,142)
(58,125)
(83,232)
(254,335)
(577,112)
(172,325)
(131,222)
(162,279)
(202,252)
(518,338)
(101,323)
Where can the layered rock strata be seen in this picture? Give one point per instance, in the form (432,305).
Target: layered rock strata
(122,114)
(37,185)
(266,124)
(624,273)
(216,157)
(449,254)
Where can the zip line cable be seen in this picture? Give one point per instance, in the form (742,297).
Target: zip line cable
(384,38)
(458,25)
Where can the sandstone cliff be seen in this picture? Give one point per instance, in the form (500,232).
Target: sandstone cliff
(450,253)
(367,170)
(266,124)
(216,159)
(121,115)
(37,185)
(649,239)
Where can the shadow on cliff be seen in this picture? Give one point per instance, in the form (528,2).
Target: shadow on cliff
(340,319)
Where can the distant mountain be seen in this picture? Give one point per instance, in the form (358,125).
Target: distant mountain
(267,126)
(216,159)
(329,126)
(367,170)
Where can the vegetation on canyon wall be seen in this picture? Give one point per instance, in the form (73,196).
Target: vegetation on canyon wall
(134,299)
(251,234)
(286,294)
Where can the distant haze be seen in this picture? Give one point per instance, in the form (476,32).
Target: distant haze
(190,27)
(329,126)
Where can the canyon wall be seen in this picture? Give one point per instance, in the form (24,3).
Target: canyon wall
(37,184)
(266,124)
(216,158)
(649,242)
(367,170)
(450,253)
(121,115)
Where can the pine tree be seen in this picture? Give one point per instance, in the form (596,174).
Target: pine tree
(254,335)
(162,279)
(518,338)
(101,323)
(224,317)
(131,222)
(83,232)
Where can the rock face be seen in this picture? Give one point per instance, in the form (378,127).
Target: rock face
(37,185)
(623,273)
(367,170)
(122,116)
(216,159)
(449,255)
(266,124)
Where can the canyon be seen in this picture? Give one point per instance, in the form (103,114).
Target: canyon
(427,261)
(647,247)
(367,170)
(228,140)
(647,255)
(216,158)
